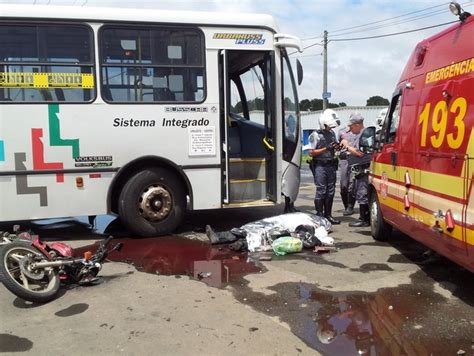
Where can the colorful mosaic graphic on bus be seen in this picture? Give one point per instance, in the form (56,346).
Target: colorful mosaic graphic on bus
(2,151)
(39,163)
(54,132)
(38,156)
(22,187)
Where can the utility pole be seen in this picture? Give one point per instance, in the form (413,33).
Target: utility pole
(325,71)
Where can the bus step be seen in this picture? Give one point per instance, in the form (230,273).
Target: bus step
(242,190)
(246,168)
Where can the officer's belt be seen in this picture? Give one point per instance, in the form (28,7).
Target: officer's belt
(360,166)
(328,162)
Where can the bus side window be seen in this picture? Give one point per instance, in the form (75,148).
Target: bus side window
(152,64)
(59,94)
(47,62)
(46,95)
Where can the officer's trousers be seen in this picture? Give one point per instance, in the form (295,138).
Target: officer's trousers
(325,181)
(360,189)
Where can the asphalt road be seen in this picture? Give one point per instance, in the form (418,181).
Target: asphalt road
(177,295)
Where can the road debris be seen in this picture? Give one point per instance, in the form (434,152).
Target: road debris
(324,249)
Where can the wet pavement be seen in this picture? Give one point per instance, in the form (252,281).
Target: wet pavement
(217,266)
(406,320)
(425,310)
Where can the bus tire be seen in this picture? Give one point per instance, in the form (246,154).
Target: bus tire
(380,229)
(152,202)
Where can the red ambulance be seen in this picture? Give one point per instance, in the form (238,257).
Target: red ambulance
(422,168)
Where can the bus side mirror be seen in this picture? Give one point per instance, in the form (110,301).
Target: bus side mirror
(367,140)
(299,71)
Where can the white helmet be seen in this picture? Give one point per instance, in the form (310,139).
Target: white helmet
(329,118)
(381,118)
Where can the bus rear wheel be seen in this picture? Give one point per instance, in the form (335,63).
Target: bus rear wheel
(152,202)
(380,229)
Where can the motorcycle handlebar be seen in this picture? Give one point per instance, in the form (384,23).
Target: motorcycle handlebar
(103,251)
(107,241)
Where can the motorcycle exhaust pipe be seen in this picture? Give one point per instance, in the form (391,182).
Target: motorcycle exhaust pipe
(47,264)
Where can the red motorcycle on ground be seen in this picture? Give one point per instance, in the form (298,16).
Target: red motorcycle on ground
(33,270)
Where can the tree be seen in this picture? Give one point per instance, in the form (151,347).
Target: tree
(316,104)
(305,105)
(377,101)
(238,107)
(289,104)
(259,104)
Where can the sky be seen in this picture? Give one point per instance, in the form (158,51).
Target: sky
(358,69)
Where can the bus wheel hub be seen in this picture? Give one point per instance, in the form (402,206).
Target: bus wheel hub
(155,203)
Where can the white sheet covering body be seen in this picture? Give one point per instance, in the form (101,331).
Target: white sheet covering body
(257,230)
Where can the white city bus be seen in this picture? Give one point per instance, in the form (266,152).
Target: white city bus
(143,113)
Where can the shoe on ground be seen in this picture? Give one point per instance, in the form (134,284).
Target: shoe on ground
(211,235)
(359,223)
(348,211)
(332,220)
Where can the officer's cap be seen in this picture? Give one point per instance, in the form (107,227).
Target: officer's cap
(356,119)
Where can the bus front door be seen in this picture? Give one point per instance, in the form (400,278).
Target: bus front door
(247,88)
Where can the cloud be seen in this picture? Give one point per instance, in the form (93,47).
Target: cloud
(357,70)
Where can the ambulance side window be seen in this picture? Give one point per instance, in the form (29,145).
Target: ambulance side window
(393,119)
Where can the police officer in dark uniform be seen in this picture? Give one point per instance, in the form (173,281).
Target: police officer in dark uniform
(325,165)
(348,200)
(358,163)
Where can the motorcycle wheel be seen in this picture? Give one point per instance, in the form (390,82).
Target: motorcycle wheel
(38,286)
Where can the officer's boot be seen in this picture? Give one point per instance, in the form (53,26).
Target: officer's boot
(350,205)
(364,220)
(359,218)
(319,206)
(344,196)
(289,206)
(327,212)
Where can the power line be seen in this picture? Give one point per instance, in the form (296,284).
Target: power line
(390,18)
(311,45)
(312,37)
(377,36)
(392,34)
(411,19)
(399,22)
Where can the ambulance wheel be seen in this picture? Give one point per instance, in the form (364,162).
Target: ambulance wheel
(152,202)
(380,229)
